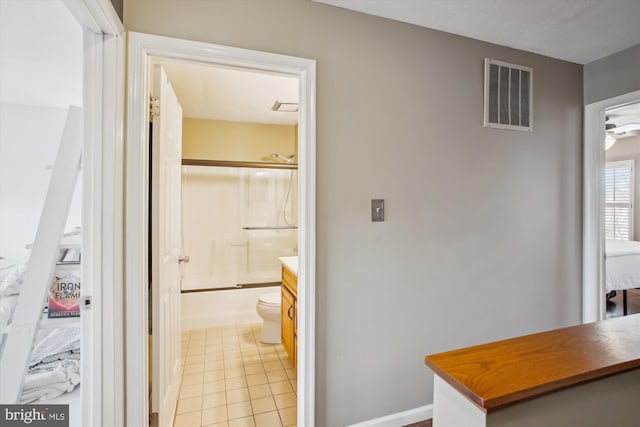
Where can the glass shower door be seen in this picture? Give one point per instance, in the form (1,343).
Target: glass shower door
(237,221)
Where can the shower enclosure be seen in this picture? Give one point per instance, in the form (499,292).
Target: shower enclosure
(237,219)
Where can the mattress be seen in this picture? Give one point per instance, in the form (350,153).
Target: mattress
(622,268)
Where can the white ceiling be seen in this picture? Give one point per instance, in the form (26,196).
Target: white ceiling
(578,31)
(208,92)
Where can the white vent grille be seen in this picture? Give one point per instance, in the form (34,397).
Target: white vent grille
(508,95)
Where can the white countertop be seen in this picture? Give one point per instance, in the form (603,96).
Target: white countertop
(290,262)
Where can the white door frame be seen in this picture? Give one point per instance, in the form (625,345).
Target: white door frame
(593,289)
(102,386)
(143,48)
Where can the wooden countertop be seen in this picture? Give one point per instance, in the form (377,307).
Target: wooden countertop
(505,372)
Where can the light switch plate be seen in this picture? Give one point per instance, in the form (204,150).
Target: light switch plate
(377,210)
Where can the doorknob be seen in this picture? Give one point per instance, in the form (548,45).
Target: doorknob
(184,258)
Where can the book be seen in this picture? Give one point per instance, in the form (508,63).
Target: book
(64,292)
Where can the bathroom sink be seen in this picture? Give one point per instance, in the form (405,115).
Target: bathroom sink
(290,262)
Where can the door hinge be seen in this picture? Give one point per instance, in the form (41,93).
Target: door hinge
(154,106)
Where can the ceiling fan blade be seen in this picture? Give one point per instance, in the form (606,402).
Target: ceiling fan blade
(626,128)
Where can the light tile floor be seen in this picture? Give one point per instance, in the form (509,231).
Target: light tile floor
(231,379)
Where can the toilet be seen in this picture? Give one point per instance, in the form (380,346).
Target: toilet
(268,307)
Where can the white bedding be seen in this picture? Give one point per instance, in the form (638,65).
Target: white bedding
(622,269)
(54,363)
(51,383)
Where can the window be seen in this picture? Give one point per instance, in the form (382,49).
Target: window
(618,211)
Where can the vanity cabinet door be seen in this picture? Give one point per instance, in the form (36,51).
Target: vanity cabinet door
(294,359)
(287,314)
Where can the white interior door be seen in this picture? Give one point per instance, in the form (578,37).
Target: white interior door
(165,248)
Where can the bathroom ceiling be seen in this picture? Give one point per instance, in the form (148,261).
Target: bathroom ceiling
(578,31)
(217,93)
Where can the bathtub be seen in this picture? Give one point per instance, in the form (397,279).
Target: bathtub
(219,308)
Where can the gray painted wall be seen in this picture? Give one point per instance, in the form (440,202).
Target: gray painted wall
(613,75)
(482,238)
(629,149)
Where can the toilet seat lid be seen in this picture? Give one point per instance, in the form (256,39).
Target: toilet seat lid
(272,299)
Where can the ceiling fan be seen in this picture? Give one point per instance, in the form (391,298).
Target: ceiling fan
(627,129)
(615,131)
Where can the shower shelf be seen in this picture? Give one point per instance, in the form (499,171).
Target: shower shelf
(272,227)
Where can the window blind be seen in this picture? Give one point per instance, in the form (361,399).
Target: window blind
(618,211)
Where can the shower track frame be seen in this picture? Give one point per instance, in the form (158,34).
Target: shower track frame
(239,164)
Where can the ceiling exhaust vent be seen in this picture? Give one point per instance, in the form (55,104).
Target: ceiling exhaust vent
(508,95)
(285,107)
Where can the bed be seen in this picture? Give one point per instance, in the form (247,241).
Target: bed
(54,362)
(622,268)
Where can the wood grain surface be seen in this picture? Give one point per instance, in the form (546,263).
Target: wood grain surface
(505,372)
(290,280)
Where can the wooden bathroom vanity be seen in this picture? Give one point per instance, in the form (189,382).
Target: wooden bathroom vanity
(289,307)
(585,375)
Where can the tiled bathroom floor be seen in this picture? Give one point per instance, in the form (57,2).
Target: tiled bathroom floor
(231,379)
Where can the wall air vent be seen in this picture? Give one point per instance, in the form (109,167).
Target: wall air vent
(508,95)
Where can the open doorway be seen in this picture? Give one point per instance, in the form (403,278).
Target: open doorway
(42,351)
(237,200)
(621,215)
(144,51)
(91,77)
(604,128)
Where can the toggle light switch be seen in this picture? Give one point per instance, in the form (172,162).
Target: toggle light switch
(377,210)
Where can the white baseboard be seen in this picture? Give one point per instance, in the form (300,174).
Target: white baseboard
(400,419)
